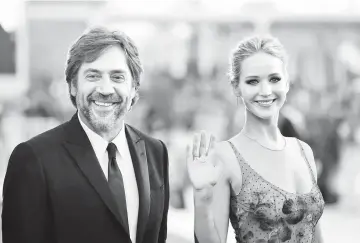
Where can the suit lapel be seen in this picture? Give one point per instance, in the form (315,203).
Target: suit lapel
(139,159)
(82,152)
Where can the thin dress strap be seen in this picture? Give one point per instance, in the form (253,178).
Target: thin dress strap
(307,161)
(238,155)
(243,167)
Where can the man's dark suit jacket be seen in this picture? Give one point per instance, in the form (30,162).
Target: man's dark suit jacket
(56,192)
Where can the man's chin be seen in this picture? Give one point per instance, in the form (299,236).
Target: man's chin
(102,121)
(105,124)
(102,127)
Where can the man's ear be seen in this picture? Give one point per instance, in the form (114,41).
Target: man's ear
(73,88)
(134,100)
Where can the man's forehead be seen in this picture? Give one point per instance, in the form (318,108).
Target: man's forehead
(111,59)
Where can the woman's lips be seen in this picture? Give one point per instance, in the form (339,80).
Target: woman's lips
(265,103)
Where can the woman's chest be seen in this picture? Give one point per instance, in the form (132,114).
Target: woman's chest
(287,170)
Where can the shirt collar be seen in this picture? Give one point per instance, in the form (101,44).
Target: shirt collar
(99,144)
(120,141)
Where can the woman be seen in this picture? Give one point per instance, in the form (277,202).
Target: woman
(268,180)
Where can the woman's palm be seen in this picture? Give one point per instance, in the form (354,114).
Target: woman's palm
(203,164)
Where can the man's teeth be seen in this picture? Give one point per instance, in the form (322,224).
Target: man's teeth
(102,104)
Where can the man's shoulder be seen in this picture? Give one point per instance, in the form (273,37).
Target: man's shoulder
(41,144)
(48,138)
(149,139)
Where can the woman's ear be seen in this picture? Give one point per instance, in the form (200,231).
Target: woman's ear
(287,86)
(287,81)
(237,91)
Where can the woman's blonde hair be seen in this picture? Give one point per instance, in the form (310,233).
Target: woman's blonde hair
(251,46)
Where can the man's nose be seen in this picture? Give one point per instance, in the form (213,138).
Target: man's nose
(105,86)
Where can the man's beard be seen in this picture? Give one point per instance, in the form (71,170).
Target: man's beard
(107,122)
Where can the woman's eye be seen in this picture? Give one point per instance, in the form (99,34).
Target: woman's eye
(275,79)
(252,81)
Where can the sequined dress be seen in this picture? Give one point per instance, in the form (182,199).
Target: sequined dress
(265,213)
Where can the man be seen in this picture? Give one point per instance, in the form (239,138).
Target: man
(93,178)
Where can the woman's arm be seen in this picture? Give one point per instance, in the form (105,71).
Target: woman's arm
(208,177)
(318,234)
(310,156)
(212,213)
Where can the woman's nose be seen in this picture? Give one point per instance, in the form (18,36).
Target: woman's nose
(265,88)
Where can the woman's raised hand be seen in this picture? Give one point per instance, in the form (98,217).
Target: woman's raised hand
(204,166)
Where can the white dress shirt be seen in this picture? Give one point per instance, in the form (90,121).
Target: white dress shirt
(126,167)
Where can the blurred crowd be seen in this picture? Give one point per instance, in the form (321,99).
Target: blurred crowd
(185,89)
(174,103)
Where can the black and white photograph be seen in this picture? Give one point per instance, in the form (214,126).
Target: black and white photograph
(179,121)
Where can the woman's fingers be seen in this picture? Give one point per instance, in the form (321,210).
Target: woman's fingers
(202,148)
(196,146)
(189,156)
(211,144)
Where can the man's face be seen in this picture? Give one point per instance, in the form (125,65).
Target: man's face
(104,91)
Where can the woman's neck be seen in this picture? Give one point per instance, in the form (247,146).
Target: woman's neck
(263,131)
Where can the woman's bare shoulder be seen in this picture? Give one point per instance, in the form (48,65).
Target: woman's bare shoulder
(227,156)
(224,151)
(309,155)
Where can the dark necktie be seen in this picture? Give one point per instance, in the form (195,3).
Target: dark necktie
(116,183)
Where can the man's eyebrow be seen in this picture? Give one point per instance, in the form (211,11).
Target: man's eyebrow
(98,71)
(118,71)
(92,70)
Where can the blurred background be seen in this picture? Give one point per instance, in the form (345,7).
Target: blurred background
(185,47)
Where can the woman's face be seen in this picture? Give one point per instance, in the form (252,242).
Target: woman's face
(263,85)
